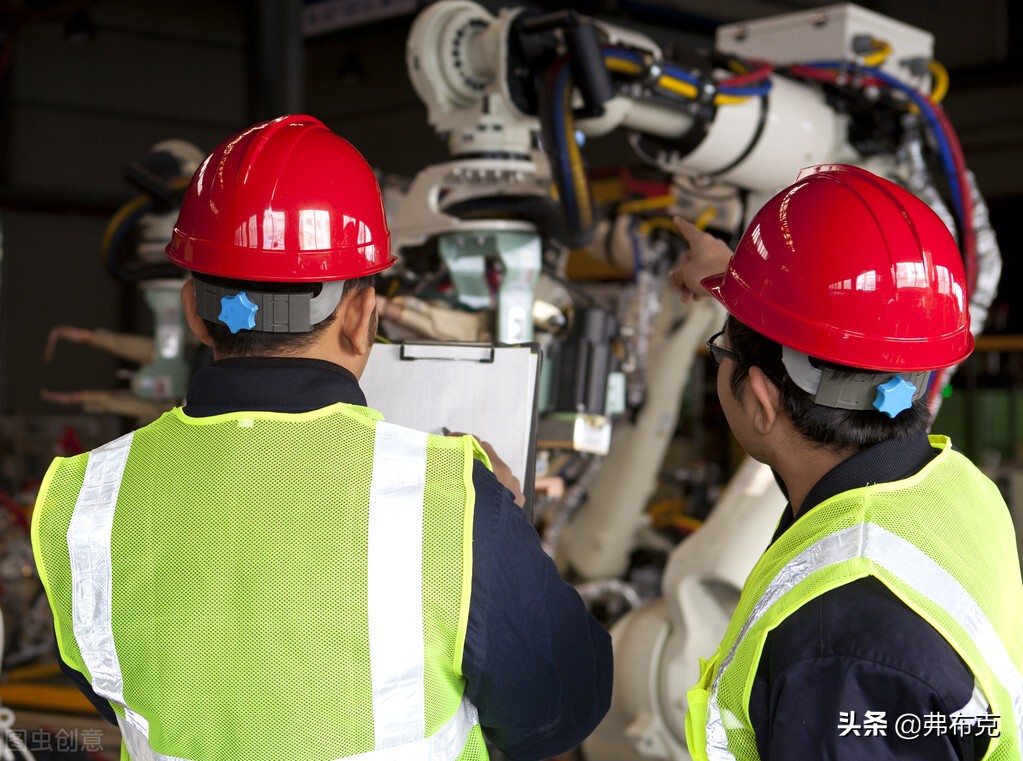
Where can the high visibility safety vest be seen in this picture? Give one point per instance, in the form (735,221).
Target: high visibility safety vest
(942,540)
(259,586)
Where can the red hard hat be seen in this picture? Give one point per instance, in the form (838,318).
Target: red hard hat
(284,201)
(850,268)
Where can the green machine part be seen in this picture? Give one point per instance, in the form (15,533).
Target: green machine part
(520,254)
(166,377)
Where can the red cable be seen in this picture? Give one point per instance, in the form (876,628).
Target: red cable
(634,185)
(763,71)
(831,76)
(969,235)
(965,198)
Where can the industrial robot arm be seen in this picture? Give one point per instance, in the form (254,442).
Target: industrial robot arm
(513,93)
(500,86)
(839,85)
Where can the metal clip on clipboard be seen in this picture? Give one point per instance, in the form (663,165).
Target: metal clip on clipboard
(474,352)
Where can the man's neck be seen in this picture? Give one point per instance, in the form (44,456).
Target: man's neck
(354,365)
(801,467)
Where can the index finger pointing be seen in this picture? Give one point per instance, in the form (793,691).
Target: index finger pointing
(688,230)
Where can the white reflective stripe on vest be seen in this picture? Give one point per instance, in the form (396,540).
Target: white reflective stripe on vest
(911,566)
(135,733)
(445,744)
(88,543)
(396,644)
(397,649)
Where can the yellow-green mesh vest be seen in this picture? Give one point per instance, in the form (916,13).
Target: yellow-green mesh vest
(255,586)
(942,540)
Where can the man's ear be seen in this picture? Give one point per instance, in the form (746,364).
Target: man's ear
(357,323)
(195,323)
(766,400)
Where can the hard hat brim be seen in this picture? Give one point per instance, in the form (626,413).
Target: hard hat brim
(713,284)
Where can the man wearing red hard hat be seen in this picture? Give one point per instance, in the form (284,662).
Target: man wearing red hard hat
(884,619)
(274,572)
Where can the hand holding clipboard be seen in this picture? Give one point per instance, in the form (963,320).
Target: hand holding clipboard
(501,470)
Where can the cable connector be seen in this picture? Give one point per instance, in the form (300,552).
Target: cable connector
(863,44)
(918,67)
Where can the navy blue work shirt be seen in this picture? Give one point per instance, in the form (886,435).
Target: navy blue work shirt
(537,665)
(859,648)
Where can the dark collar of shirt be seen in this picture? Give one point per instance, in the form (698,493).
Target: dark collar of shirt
(891,460)
(270,384)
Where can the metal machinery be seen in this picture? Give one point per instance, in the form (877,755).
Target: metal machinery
(487,242)
(133,249)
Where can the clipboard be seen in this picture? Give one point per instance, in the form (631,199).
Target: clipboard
(487,389)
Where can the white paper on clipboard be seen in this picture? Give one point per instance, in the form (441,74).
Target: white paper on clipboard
(488,391)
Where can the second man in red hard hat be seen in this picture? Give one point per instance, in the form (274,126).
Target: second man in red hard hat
(883,620)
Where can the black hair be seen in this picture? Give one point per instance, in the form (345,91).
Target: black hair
(252,343)
(840,429)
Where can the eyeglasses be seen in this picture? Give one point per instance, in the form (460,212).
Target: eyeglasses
(717,353)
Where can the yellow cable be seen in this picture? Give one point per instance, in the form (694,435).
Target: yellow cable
(646,204)
(53,698)
(672,511)
(687,522)
(36,671)
(130,208)
(671,84)
(576,166)
(705,217)
(730,100)
(666,507)
(940,74)
(622,66)
(662,223)
(687,90)
(678,87)
(118,219)
(879,55)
